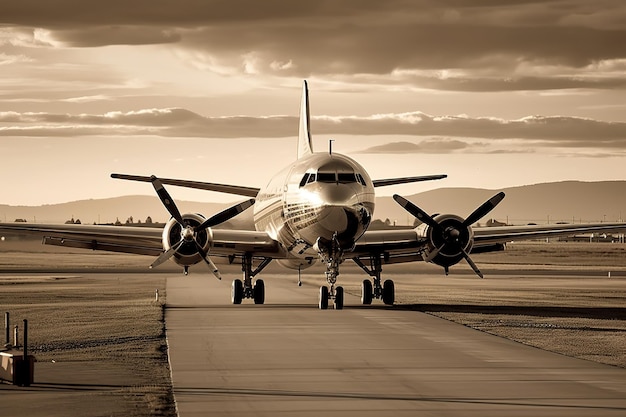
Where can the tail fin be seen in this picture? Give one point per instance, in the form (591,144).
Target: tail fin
(305,146)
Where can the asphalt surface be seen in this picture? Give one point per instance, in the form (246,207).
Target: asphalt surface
(289,358)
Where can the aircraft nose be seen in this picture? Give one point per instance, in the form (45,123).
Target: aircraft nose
(341,212)
(334,218)
(337,195)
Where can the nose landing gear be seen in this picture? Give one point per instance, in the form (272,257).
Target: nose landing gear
(331,254)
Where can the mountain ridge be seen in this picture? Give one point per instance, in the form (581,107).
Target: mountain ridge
(564,201)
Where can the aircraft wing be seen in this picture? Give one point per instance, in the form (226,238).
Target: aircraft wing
(502,234)
(143,240)
(406,180)
(407,245)
(209,186)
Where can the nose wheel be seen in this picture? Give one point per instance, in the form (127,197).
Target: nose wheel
(335,294)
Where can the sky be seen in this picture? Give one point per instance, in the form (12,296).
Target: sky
(493,93)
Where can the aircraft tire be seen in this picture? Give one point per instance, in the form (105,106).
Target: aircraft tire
(323,297)
(259,292)
(338,302)
(389,292)
(236,292)
(366,292)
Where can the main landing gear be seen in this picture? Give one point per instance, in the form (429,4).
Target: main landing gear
(385,292)
(244,289)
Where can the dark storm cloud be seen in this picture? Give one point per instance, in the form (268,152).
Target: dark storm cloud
(493,45)
(543,131)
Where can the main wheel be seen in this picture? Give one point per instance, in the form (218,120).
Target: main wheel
(259,292)
(338,303)
(236,292)
(366,292)
(323,297)
(389,292)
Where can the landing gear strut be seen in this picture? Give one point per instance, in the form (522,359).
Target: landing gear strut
(332,255)
(385,292)
(244,289)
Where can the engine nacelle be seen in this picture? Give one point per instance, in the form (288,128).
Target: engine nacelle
(187,254)
(295,263)
(444,245)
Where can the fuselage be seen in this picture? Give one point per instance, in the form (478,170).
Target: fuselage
(315,199)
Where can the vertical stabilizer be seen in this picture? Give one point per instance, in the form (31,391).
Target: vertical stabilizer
(305,147)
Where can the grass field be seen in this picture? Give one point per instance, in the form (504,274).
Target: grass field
(79,309)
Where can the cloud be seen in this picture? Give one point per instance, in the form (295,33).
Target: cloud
(569,132)
(425,146)
(484,45)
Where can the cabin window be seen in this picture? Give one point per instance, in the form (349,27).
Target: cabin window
(360,180)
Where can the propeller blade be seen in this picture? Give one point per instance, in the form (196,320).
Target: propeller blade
(416,212)
(166,255)
(166,199)
(208,261)
(225,215)
(471,263)
(434,253)
(483,210)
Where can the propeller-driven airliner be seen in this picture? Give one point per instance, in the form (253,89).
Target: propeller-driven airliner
(316,210)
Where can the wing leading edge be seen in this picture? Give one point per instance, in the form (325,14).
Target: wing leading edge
(208,186)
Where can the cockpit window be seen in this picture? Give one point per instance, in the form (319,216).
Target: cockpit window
(346,178)
(332,177)
(326,177)
(305,179)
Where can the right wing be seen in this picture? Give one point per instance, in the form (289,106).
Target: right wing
(221,188)
(145,240)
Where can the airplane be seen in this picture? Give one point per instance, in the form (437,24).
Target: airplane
(316,209)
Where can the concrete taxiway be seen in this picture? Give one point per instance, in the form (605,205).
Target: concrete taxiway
(289,358)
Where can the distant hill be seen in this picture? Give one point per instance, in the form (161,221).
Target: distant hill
(568,201)
(561,201)
(104,210)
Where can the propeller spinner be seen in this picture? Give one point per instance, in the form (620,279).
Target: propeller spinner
(189,232)
(452,237)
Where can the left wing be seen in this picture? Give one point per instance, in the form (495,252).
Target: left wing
(486,236)
(447,239)
(406,180)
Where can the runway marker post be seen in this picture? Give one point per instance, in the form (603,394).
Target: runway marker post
(7,332)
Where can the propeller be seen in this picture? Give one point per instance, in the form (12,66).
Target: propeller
(451,235)
(189,232)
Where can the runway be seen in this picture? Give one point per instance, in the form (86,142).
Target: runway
(289,358)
